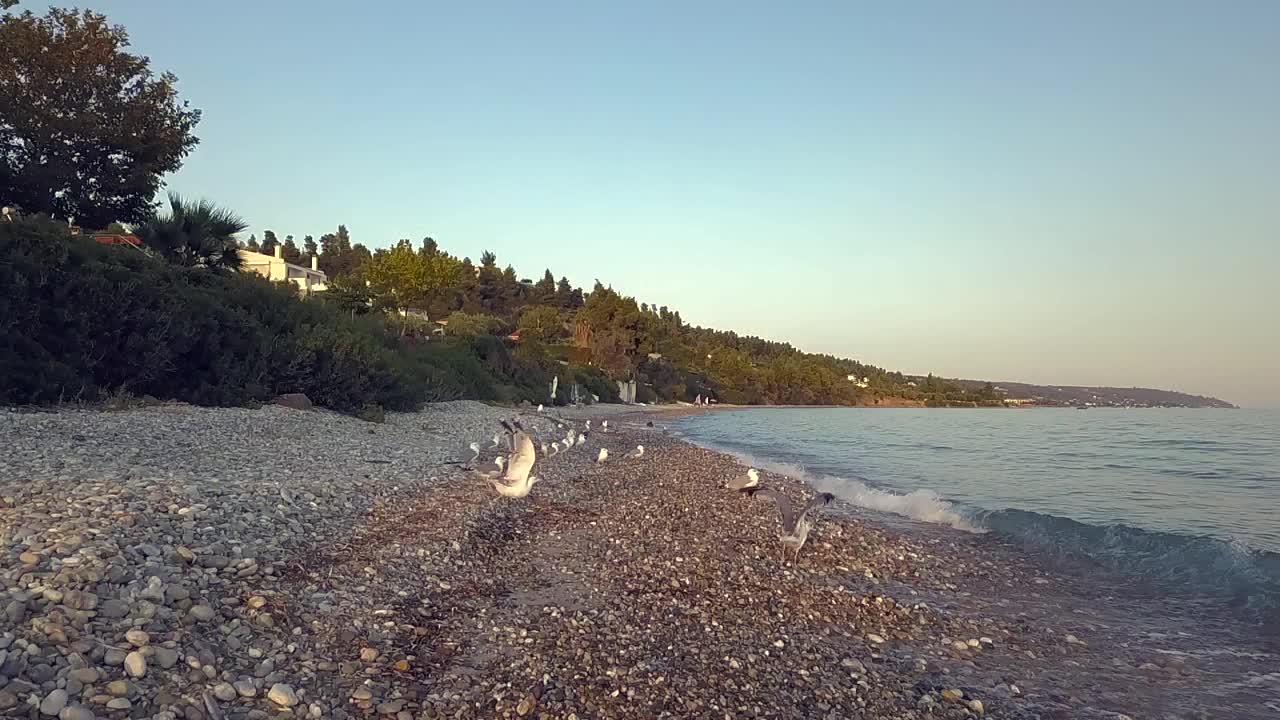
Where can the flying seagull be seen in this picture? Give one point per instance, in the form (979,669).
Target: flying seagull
(635,454)
(517,482)
(603,456)
(745,482)
(795,529)
(500,461)
(497,440)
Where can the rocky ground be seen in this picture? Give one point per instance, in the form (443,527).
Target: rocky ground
(183,562)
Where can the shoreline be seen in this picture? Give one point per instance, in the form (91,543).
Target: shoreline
(347,562)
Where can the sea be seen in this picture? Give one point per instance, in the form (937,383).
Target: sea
(1185,500)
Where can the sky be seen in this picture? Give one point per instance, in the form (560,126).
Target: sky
(1065,193)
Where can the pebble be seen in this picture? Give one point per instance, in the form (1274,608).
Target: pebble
(202,613)
(976,706)
(119,704)
(224,692)
(246,688)
(53,702)
(76,712)
(84,676)
(282,695)
(137,638)
(878,640)
(953,695)
(135,664)
(118,688)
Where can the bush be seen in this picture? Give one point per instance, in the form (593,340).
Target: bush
(82,321)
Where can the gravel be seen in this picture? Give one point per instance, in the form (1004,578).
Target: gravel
(180,562)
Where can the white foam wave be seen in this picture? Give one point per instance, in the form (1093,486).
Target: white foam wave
(922,505)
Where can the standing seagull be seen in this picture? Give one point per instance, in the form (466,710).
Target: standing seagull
(604,426)
(497,440)
(635,454)
(555,448)
(544,449)
(795,530)
(517,482)
(539,407)
(475,453)
(744,482)
(603,456)
(582,438)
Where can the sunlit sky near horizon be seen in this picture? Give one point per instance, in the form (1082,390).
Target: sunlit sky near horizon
(1069,193)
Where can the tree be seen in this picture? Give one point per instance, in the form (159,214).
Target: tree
(269,242)
(86,129)
(541,323)
(252,244)
(198,234)
(290,252)
(405,280)
(309,246)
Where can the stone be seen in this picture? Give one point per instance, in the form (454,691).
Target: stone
(85,676)
(294,401)
(390,708)
(113,609)
(118,688)
(361,694)
(526,705)
(77,712)
(875,638)
(80,600)
(976,706)
(8,700)
(401,665)
(185,554)
(853,665)
(224,692)
(368,655)
(29,558)
(246,688)
(953,695)
(165,657)
(202,613)
(137,638)
(53,702)
(114,656)
(135,664)
(119,704)
(282,695)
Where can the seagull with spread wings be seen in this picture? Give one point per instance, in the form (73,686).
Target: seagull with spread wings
(517,481)
(795,528)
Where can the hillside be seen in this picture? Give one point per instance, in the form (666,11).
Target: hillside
(1096,396)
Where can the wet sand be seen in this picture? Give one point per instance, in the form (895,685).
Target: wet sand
(642,589)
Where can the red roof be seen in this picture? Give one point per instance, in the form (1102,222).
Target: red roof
(117,239)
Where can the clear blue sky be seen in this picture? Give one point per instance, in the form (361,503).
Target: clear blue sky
(1084,193)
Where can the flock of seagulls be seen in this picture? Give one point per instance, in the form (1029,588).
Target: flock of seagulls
(513,476)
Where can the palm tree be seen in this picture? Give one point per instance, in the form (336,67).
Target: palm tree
(198,234)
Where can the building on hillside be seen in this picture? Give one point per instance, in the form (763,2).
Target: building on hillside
(109,239)
(864,382)
(274,268)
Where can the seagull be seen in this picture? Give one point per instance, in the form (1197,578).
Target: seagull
(604,426)
(603,456)
(497,440)
(517,482)
(635,454)
(475,452)
(568,440)
(555,448)
(500,461)
(795,529)
(744,482)
(544,449)
(582,438)
(539,407)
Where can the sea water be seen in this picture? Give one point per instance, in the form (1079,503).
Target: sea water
(1187,499)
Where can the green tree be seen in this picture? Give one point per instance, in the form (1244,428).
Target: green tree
(404,279)
(269,242)
(541,323)
(252,244)
(309,246)
(198,234)
(290,251)
(461,324)
(86,129)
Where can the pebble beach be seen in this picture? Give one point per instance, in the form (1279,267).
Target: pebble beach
(181,562)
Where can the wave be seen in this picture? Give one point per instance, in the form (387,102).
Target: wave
(923,505)
(1246,576)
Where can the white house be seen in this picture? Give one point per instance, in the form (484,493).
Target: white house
(274,268)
